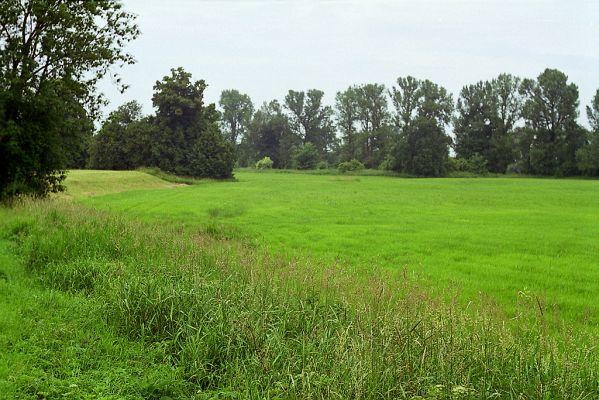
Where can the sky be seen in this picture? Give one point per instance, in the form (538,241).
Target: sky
(266,47)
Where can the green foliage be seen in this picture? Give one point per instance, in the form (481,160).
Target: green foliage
(52,54)
(476,165)
(422,149)
(306,156)
(387,164)
(487,112)
(311,120)
(353,165)
(187,140)
(236,115)
(593,112)
(124,141)
(269,135)
(264,163)
(550,110)
(322,165)
(347,115)
(211,156)
(31,153)
(587,157)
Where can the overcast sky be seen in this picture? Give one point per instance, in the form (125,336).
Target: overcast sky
(266,47)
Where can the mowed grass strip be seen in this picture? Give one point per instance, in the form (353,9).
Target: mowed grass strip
(507,238)
(88,183)
(220,320)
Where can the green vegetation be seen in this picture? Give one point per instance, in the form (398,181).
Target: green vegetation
(504,237)
(52,54)
(87,183)
(118,309)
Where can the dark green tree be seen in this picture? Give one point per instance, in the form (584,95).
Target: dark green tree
(270,135)
(347,115)
(423,109)
(52,53)
(587,157)
(508,103)
(551,110)
(593,113)
(306,156)
(186,128)
(474,122)
(486,114)
(124,141)
(422,149)
(374,119)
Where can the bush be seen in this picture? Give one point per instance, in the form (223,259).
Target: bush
(306,156)
(265,163)
(387,164)
(353,165)
(476,164)
(322,165)
(212,157)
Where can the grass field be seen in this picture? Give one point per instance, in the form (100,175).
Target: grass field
(507,238)
(180,294)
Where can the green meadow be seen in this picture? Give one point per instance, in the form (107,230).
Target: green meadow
(300,286)
(506,238)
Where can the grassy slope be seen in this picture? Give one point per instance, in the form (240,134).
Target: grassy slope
(86,183)
(509,238)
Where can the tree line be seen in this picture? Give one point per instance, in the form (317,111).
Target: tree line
(53,53)
(505,125)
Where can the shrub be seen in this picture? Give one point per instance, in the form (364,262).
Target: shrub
(322,165)
(476,164)
(265,163)
(387,164)
(306,156)
(212,157)
(353,165)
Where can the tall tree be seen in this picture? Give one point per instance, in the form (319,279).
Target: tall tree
(347,114)
(374,118)
(587,157)
(423,148)
(593,112)
(52,53)
(406,98)
(508,102)
(188,140)
(423,109)
(237,111)
(486,114)
(269,135)
(551,110)
(475,119)
(310,119)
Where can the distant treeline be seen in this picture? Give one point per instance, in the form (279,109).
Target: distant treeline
(508,124)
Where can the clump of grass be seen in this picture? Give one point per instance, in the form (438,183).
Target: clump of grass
(239,323)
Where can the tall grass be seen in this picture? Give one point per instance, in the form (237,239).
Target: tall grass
(242,324)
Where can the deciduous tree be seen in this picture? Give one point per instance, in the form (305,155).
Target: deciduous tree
(188,136)
(551,110)
(52,53)
(236,114)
